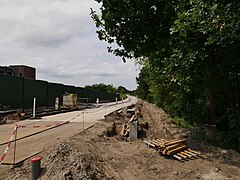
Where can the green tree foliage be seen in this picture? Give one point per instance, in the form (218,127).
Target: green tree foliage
(102,87)
(143,89)
(190,55)
(122,90)
(109,88)
(134,26)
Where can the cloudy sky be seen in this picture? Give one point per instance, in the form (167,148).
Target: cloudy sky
(59,39)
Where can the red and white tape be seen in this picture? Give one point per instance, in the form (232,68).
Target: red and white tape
(56,103)
(8,145)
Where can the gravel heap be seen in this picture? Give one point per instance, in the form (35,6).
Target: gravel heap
(67,163)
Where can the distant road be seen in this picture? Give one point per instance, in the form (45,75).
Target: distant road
(91,115)
(49,131)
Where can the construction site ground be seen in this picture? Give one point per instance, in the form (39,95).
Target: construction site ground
(99,152)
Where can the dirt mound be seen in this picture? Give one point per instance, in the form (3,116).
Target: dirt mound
(64,161)
(153,122)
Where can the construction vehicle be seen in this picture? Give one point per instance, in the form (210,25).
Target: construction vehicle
(70,101)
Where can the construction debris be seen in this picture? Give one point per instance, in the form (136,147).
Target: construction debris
(130,129)
(5,111)
(3,120)
(125,130)
(133,133)
(131,111)
(176,148)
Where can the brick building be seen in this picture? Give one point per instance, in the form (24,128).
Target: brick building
(24,71)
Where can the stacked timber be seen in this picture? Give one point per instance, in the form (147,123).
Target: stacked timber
(176,148)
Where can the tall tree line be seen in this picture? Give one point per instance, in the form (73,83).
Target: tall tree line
(190,53)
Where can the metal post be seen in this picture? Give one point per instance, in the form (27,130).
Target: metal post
(15,147)
(105,110)
(35,168)
(34,107)
(83,120)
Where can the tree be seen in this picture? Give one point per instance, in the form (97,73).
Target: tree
(122,90)
(182,42)
(135,26)
(143,85)
(102,87)
(213,25)
(107,88)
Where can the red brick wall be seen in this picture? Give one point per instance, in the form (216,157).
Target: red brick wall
(25,71)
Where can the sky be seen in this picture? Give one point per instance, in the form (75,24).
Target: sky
(58,38)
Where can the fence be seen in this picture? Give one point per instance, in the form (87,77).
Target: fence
(18,92)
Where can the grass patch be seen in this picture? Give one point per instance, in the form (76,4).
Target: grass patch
(180,122)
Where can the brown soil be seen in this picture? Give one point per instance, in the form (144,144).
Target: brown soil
(101,153)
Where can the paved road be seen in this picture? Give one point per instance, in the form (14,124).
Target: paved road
(49,131)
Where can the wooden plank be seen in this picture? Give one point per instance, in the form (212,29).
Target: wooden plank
(181,155)
(164,143)
(149,144)
(171,140)
(161,145)
(185,154)
(198,153)
(157,143)
(154,142)
(176,150)
(174,146)
(177,157)
(157,147)
(151,141)
(161,142)
(194,155)
(174,142)
(132,118)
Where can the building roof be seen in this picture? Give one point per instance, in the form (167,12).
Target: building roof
(21,66)
(7,71)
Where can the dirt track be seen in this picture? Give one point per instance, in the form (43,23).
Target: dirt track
(100,153)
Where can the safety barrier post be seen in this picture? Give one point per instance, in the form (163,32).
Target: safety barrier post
(34,107)
(56,103)
(83,120)
(15,147)
(9,144)
(105,110)
(36,168)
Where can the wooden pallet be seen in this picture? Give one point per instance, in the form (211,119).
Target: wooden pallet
(176,148)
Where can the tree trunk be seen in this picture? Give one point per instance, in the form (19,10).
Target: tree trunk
(210,93)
